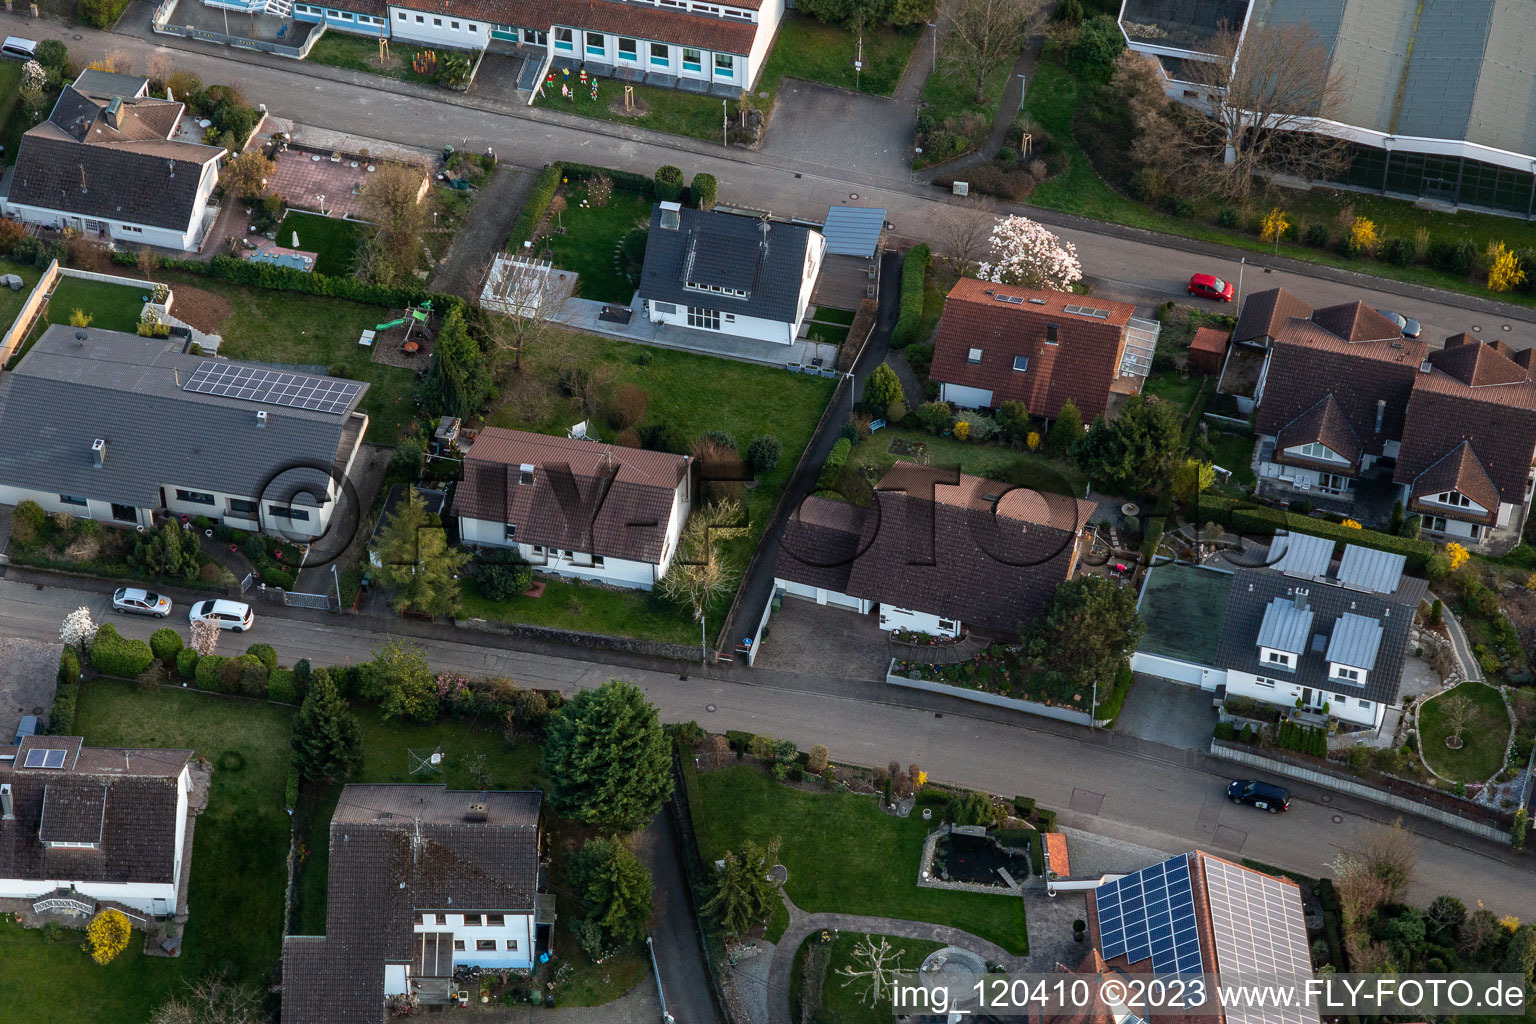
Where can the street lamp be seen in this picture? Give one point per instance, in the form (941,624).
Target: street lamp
(1241,264)
(935,26)
(703,643)
(322,203)
(337,577)
(725,124)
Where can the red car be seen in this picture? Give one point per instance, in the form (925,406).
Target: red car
(1208,287)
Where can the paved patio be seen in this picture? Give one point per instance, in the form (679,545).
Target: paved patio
(29,673)
(585,315)
(316,181)
(263,27)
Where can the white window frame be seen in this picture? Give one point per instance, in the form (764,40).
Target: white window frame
(973,357)
(1021,364)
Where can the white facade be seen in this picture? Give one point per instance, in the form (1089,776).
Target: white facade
(1186,672)
(963,397)
(153,898)
(894,618)
(186,238)
(823,596)
(486,943)
(707,316)
(1284,693)
(436,28)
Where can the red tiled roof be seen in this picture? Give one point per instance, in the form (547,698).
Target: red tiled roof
(1325,424)
(1264,312)
(1458,471)
(1081,366)
(1056,854)
(1209,339)
(1355,321)
(1479,365)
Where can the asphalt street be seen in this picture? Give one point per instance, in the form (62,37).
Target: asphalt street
(1109,785)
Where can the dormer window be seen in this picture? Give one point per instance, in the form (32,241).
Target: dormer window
(1454,498)
(1279,659)
(1313,450)
(1345,674)
(1021,363)
(525,475)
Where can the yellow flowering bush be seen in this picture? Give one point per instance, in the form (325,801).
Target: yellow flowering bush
(1457,554)
(1351,524)
(107,936)
(962,430)
(1033,440)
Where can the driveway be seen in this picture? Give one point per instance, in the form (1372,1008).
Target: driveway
(683,979)
(803,636)
(484,231)
(869,134)
(1167,712)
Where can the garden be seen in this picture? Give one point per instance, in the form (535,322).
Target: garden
(166,555)
(950,121)
(110,307)
(829,981)
(334,242)
(1464,733)
(868,460)
(360,53)
(599,230)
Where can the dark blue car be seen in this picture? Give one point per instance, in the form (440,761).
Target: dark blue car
(1258,794)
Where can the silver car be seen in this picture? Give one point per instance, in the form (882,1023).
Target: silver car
(136,601)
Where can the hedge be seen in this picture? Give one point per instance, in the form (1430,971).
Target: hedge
(69,667)
(210,672)
(100,13)
(291,789)
(836,459)
(1110,706)
(61,720)
(1244,517)
(669,183)
(113,654)
(281,686)
(910,317)
(265,654)
(165,642)
(628,180)
(704,191)
(186,663)
(245,675)
(535,206)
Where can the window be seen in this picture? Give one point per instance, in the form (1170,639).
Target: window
(626,49)
(707,319)
(948,624)
(455,25)
(661,54)
(473,27)
(1332,482)
(1365,704)
(597,562)
(1021,363)
(345,16)
(495,920)
(693,60)
(597,43)
(195,497)
(511,534)
(70,499)
(1453,498)
(400,15)
(665,308)
(1266,683)
(725,65)
(297,515)
(241,507)
(437,22)
(512,945)
(1052,334)
(1435,524)
(565,39)
(485,944)
(420,20)
(1277,658)
(471,920)
(730,318)
(1347,674)
(973,356)
(133,230)
(744,15)
(458,945)
(1317,451)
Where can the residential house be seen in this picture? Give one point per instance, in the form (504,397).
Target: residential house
(1303,633)
(111,165)
(422,880)
(1331,394)
(723,272)
(939,552)
(574,507)
(1469,442)
(95,824)
(1434,99)
(997,343)
(699,46)
(1264,314)
(152,431)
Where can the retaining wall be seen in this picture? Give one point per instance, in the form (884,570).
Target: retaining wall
(982,697)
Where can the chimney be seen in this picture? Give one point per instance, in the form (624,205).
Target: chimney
(1381,413)
(762,229)
(99,453)
(7,809)
(475,812)
(115,113)
(671,214)
(1301,599)
(261,417)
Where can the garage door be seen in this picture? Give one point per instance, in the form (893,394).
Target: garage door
(1178,671)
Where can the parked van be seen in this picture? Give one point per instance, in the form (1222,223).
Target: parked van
(18,48)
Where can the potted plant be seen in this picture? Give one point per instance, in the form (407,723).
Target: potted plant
(1079,927)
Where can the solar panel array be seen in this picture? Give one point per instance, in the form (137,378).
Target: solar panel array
(272,387)
(1260,932)
(40,758)
(1151,914)
(1017,300)
(1098,314)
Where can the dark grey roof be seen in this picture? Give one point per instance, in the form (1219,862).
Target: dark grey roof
(107,84)
(1302,554)
(396,850)
(1370,569)
(1183,24)
(74,811)
(126,390)
(1253,592)
(1285,626)
(766,259)
(853,230)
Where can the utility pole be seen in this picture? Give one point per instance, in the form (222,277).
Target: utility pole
(1241,265)
(703,643)
(858,61)
(935,26)
(725,124)
(337,577)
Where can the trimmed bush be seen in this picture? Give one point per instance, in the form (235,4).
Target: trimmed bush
(836,459)
(291,788)
(245,675)
(280,578)
(535,206)
(763,453)
(668,183)
(186,663)
(69,667)
(1225,731)
(265,654)
(1401,252)
(210,673)
(910,312)
(113,654)
(281,686)
(165,643)
(704,191)
(1317,235)
(61,720)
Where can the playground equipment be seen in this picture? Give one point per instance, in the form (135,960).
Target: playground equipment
(392,323)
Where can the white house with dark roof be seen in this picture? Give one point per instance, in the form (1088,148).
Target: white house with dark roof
(109,164)
(575,508)
(423,879)
(91,823)
(729,274)
(151,430)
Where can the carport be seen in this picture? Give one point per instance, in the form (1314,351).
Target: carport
(851,272)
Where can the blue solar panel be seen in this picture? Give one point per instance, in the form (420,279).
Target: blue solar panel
(1151,914)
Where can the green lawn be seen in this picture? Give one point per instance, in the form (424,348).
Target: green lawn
(1235,452)
(333,241)
(1020,468)
(1484,739)
(112,307)
(664,110)
(843,999)
(843,853)
(826,314)
(288,327)
(360,53)
(1177,389)
(828,334)
(946,94)
(571,604)
(809,50)
(238,871)
(13,121)
(591,237)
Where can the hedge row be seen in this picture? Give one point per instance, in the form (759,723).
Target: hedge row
(1109,707)
(910,315)
(836,459)
(535,206)
(116,655)
(621,179)
(61,720)
(704,191)
(1247,518)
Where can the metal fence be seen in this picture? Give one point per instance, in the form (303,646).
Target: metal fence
(322,602)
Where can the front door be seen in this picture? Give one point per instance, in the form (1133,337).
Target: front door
(1306,696)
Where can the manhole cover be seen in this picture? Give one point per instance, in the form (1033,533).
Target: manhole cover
(78,37)
(1477,330)
(1338,819)
(1504,328)
(853,195)
(1326,798)
(709,707)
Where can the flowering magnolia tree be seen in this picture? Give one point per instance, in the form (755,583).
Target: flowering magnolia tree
(1024,253)
(79,628)
(205,637)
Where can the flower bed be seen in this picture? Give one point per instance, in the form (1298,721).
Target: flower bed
(998,671)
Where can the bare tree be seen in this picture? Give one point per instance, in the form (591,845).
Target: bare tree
(966,232)
(876,965)
(1392,855)
(1273,91)
(1458,712)
(700,574)
(981,36)
(211,1001)
(1160,149)
(394,201)
(520,297)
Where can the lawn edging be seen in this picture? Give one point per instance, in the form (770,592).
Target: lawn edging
(1029,707)
(1340,783)
(598,641)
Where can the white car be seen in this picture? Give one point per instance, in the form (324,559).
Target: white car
(137,601)
(233,615)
